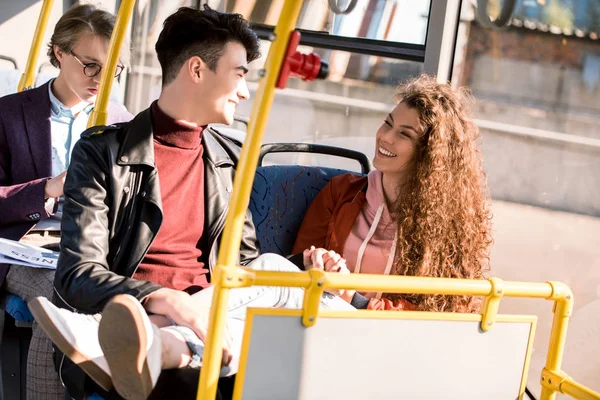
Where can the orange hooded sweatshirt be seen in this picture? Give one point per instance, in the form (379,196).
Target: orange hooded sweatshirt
(329,221)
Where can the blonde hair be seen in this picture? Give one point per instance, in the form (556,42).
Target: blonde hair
(82,18)
(443,209)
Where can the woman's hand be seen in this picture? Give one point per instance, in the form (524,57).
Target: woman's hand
(328,261)
(313,258)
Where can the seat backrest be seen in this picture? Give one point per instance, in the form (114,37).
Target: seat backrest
(9,81)
(17,308)
(377,354)
(281,195)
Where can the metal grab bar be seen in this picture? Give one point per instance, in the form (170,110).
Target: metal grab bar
(365,163)
(10,60)
(28,77)
(506,14)
(100,113)
(242,187)
(337,10)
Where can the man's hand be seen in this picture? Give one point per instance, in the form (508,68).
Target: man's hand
(54,186)
(183,310)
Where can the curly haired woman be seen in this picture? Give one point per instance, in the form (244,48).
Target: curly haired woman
(424,211)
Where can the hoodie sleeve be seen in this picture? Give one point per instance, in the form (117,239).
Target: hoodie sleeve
(387,304)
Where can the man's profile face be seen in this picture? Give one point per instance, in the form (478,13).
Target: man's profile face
(225,87)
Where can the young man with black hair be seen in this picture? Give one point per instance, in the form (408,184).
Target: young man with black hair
(146,200)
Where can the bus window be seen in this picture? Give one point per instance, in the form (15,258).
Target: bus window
(398,21)
(345,110)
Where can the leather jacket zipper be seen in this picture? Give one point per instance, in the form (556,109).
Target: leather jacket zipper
(129,221)
(138,262)
(213,238)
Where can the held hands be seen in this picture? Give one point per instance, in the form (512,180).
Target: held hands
(329,261)
(54,186)
(181,308)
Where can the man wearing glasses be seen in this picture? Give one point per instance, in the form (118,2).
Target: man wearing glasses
(38,130)
(93,69)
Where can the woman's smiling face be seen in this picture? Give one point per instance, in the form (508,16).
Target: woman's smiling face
(396,140)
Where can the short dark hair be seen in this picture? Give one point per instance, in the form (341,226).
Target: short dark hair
(202,33)
(79,19)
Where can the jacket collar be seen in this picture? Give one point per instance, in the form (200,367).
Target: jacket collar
(138,143)
(214,150)
(36,113)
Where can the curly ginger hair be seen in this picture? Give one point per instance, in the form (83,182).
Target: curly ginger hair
(443,208)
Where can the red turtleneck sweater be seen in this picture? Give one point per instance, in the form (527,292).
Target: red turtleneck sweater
(174,259)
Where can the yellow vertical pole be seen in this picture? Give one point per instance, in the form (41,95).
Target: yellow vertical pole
(100,113)
(563,307)
(28,78)
(242,187)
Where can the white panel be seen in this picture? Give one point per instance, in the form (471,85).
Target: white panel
(383,358)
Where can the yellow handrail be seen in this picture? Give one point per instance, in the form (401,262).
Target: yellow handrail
(28,78)
(100,113)
(578,391)
(553,379)
(558,382)
(242,187)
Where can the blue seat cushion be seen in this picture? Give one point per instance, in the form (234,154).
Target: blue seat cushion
(17,308)
(280,197)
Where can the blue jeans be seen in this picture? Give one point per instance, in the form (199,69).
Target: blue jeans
(240,299)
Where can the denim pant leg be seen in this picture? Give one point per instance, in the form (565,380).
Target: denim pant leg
(240,299)
(196,346)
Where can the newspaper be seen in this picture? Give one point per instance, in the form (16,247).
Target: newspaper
(12,252)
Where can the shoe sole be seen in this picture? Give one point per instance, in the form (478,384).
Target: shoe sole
(125,348)
(42,318)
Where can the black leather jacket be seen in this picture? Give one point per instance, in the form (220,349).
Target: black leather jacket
(113,212)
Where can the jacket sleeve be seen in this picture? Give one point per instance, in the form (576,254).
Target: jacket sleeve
(83,278)
(314,228)
(249,247)
(22,202)
(387,304)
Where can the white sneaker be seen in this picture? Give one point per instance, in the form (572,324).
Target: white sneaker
(76,335)
(132,347)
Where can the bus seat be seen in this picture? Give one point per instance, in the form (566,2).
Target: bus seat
(44,77)
(9,81)
(412,355)
(9,78)
(281,194)
(17,308)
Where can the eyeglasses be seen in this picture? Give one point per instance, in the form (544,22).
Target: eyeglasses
(92,69)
